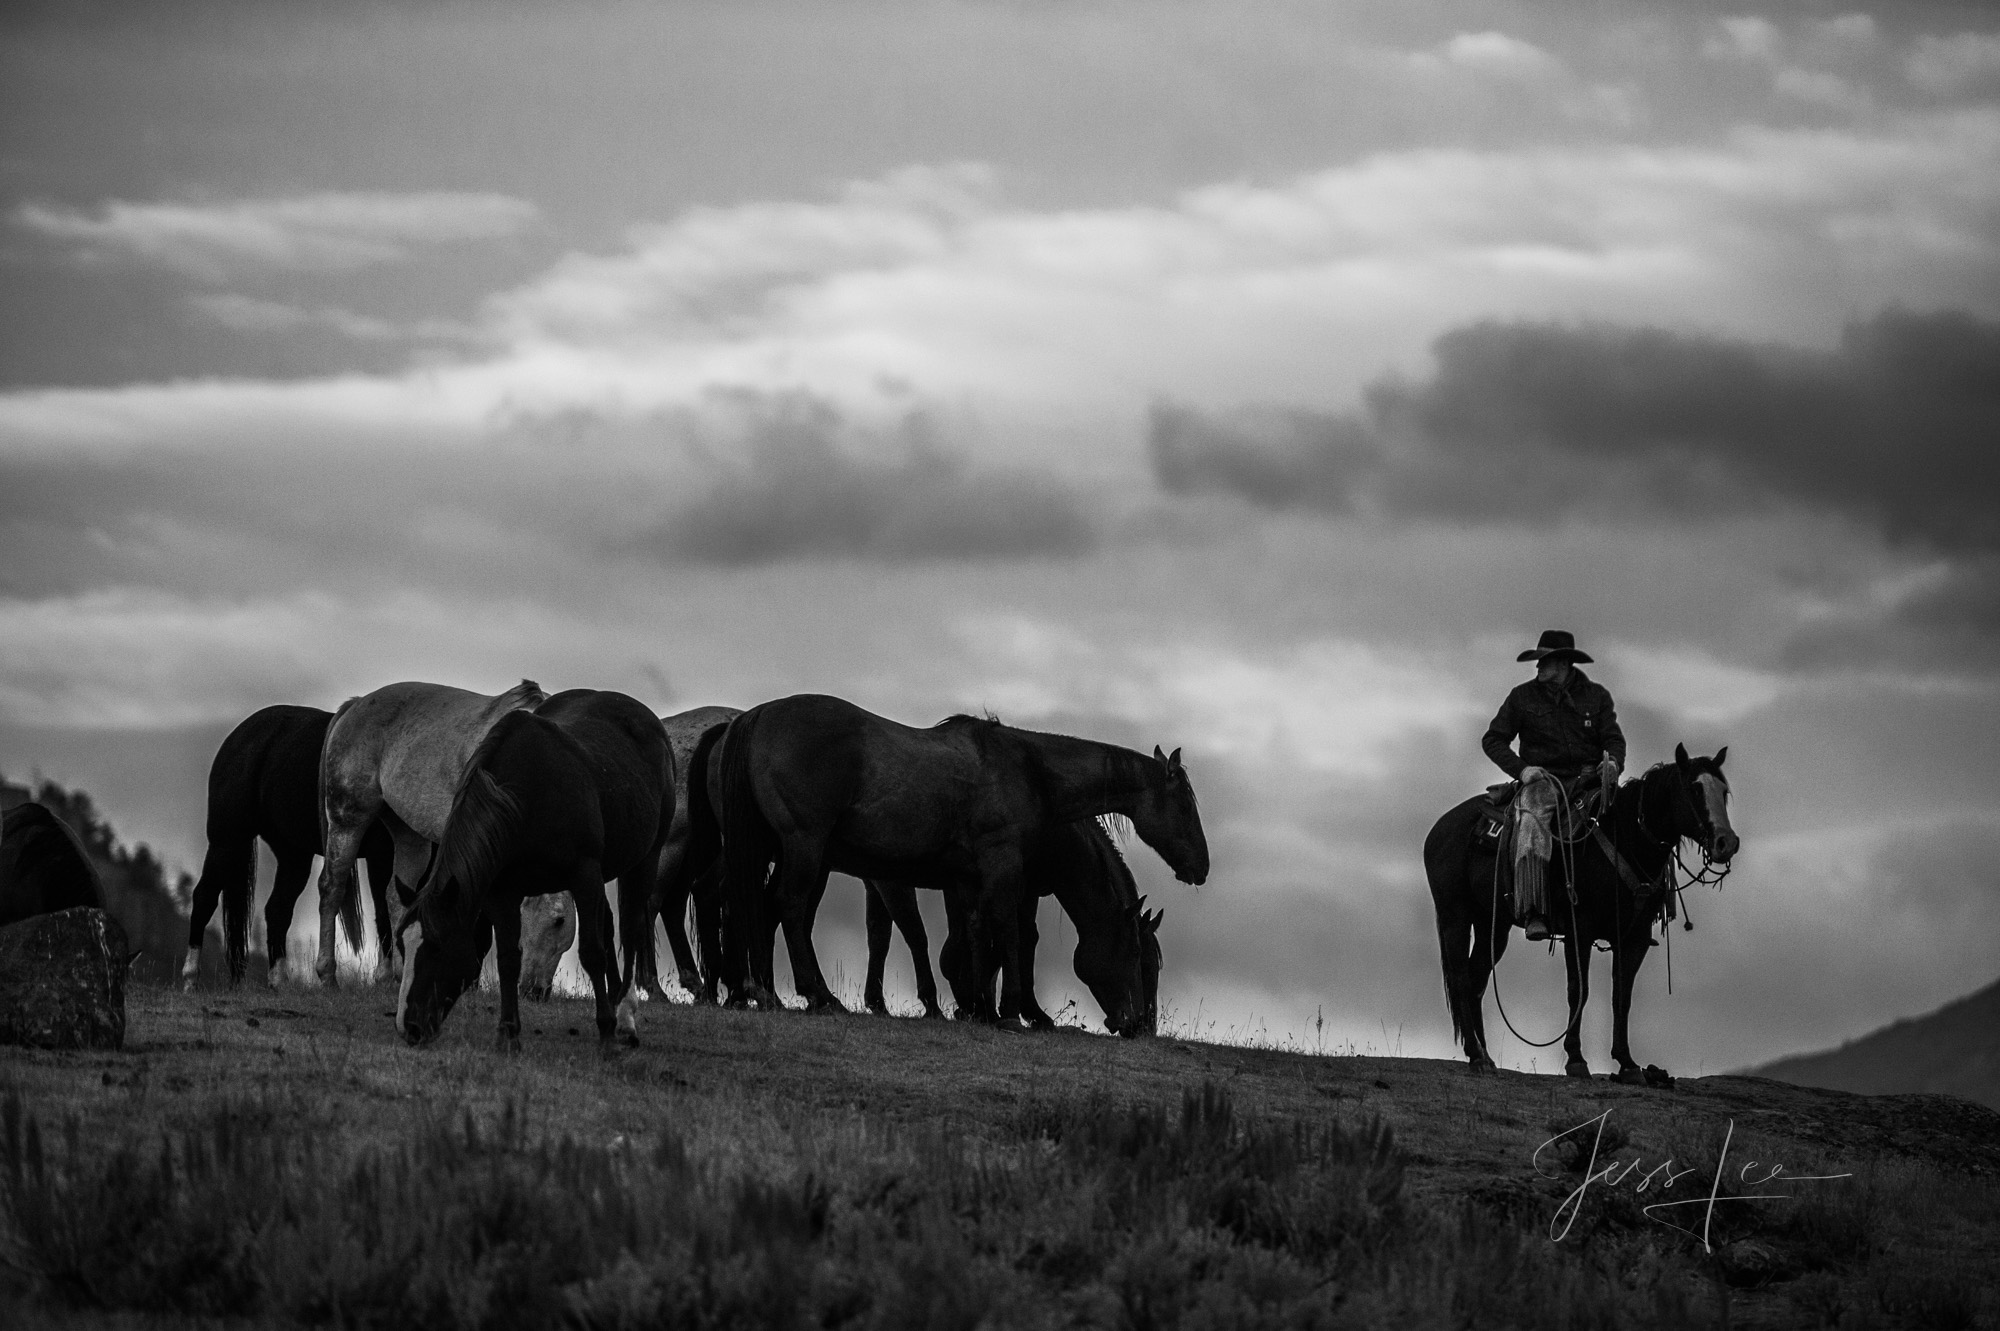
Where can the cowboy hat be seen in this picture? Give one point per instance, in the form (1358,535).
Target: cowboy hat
(1556,645)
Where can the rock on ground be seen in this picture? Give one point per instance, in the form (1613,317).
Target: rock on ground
(62,980)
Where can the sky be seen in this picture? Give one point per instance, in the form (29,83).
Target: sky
(1256,379)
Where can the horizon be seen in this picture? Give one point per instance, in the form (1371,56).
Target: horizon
(1254,382)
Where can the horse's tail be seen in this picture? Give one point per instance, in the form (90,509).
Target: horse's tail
(1454,898)
(747,849)
(704,830)
(325,751)
(229,869)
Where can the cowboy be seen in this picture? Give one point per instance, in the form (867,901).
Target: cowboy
(1570,744)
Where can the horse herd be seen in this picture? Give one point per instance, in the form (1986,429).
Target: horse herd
(478,814)
(468,806)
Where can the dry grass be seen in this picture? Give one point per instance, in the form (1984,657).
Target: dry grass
(283,1157)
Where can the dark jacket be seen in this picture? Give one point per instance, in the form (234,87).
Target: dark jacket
(1564,730)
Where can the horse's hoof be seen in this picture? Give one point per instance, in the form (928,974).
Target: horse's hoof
(187,984)
(935,1013)
(508,1044)
(1659,1076)
(1480,1066)
(1578,1068)
(630,1039)
(1630,1076)
(1044,1022)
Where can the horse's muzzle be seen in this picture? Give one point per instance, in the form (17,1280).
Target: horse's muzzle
(1726,846)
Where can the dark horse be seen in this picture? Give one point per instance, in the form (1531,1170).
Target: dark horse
(43,865)
(1646,821)
(1117,953)
(818,784)
(562,799)
(264,782)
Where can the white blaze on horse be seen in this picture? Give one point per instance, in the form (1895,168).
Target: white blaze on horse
(396,755)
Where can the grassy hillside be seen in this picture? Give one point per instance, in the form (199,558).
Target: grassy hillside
(284,1158)
(1953,1051)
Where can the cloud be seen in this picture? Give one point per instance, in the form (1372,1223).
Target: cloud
(790,493)
(1537,423)
(314,232)
(735,479)
(1528,422)
(1963,63)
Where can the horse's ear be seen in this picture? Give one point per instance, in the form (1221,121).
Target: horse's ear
(1174,758)
(1153,921)
(1720,754)
(1680,755)
(1159,754)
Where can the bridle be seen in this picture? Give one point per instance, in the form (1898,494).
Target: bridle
(1704,841)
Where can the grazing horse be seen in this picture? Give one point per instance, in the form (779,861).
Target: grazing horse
(44,866)
(1117,952)
(264,782)
(561,799)
(396,754)
(818,784)
(548,927)
(1615,884)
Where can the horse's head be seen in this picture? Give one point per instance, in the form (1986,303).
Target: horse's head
(1167,819)
(443,950)
(1120,965)
(548,927)
(1701,810)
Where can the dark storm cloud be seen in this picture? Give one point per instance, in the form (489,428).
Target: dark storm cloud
(1527,422)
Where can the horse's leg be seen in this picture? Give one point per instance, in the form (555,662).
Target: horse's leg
(348,815)
(999,924)
(879,929)
(378,851)
(596,949)
(902,903)
(1626,959)
(1576,966)
(670,900)
(287,886)
(507,941)
(229,868)
(635,924)
(1030,936)
(802,884)
(955,957)
(706,890)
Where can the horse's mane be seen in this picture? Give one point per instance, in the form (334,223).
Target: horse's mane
(1121,877)
(960,720)
(478,834)
(526,694)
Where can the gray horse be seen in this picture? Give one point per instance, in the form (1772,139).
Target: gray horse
(396,754)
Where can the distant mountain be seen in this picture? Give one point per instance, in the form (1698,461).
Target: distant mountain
(1953,1051)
